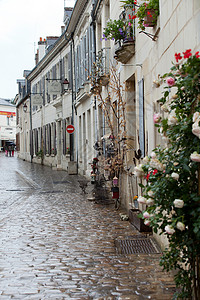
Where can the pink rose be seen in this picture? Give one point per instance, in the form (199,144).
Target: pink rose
(156,118)
(147,222)
(146,215)
(170,81)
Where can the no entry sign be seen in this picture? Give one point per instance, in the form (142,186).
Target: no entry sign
(70,128)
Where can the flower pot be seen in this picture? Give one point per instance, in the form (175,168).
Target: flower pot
(138,222)
(125,51)
(150,18)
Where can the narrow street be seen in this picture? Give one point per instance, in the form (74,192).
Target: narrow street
(56,244)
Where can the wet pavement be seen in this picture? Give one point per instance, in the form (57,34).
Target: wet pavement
(55,244)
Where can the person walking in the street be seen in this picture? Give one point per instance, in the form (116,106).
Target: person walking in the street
(6,150)
(10,150)
(13,150)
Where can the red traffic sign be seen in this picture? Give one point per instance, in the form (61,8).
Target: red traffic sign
(70,128)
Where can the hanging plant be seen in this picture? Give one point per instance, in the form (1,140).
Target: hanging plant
(147,14)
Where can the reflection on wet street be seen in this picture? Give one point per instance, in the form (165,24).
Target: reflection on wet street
(55,244)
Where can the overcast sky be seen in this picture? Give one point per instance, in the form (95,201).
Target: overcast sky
(22,23)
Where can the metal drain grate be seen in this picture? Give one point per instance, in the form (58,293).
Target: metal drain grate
(136,246)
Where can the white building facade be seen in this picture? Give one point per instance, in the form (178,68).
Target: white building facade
(81,55)
(7,122)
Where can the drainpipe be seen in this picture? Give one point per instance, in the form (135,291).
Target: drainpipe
(93,24)
(31,132)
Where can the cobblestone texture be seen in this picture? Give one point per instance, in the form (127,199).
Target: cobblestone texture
(55,244)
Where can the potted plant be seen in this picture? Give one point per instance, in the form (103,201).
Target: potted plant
(118,30)
(147,13)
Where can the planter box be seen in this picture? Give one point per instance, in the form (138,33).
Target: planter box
(138,222)
(150,18)
(124,51)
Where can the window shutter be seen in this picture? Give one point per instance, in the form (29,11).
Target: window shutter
(76,68)
(54,135)
(64,136)
(48,96)
(44,139)
(31,142)
(141,117)
(79,67)
(54,74)
(90,49)
(87,54)
(84,59)
(69,57)
(43,89)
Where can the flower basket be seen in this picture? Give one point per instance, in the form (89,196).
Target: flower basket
(124,51)
(138,222)
(150,18)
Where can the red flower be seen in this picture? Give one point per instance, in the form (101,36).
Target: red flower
(150,15)
(135,2)
(187,53)
(178,56)
(131,17)
(147,177)
(155,172)
(197,54)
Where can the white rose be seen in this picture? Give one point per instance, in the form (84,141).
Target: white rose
(141,200)
(169,229)
(138,171)
(150,201)
(153,155)
(175,176)
(172,120)
(178,203)
(196,116)
(165,108)
(156,164)
(195,157)
(180,226)
(145,159)
(196,129)
(150,193)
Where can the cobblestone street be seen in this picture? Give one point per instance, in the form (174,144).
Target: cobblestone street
(55,244)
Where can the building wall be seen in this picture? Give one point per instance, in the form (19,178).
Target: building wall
(7,123)
(176,30)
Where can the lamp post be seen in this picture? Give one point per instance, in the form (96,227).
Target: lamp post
(25,107)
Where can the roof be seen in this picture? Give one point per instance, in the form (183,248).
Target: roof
(5,102)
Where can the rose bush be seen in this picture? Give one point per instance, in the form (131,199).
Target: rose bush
(175,186)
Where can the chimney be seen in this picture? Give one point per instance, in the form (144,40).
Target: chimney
(36,57)
(41,48)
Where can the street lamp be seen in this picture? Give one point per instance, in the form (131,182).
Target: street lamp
(65,84)
(25,107)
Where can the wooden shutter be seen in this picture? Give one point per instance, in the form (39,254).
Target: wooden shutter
(54,75)
(87,54)
(64,135)
(54,137)
(43,89)
(69,58)
(141,117)
(44,139)
(48,96)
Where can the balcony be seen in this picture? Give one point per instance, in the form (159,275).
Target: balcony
(125,48)
(102,65)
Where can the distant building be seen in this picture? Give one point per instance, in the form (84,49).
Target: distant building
(7,122)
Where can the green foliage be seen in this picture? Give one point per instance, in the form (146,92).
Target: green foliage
(40,154)
(172,175)
(114,30)
(142,12)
